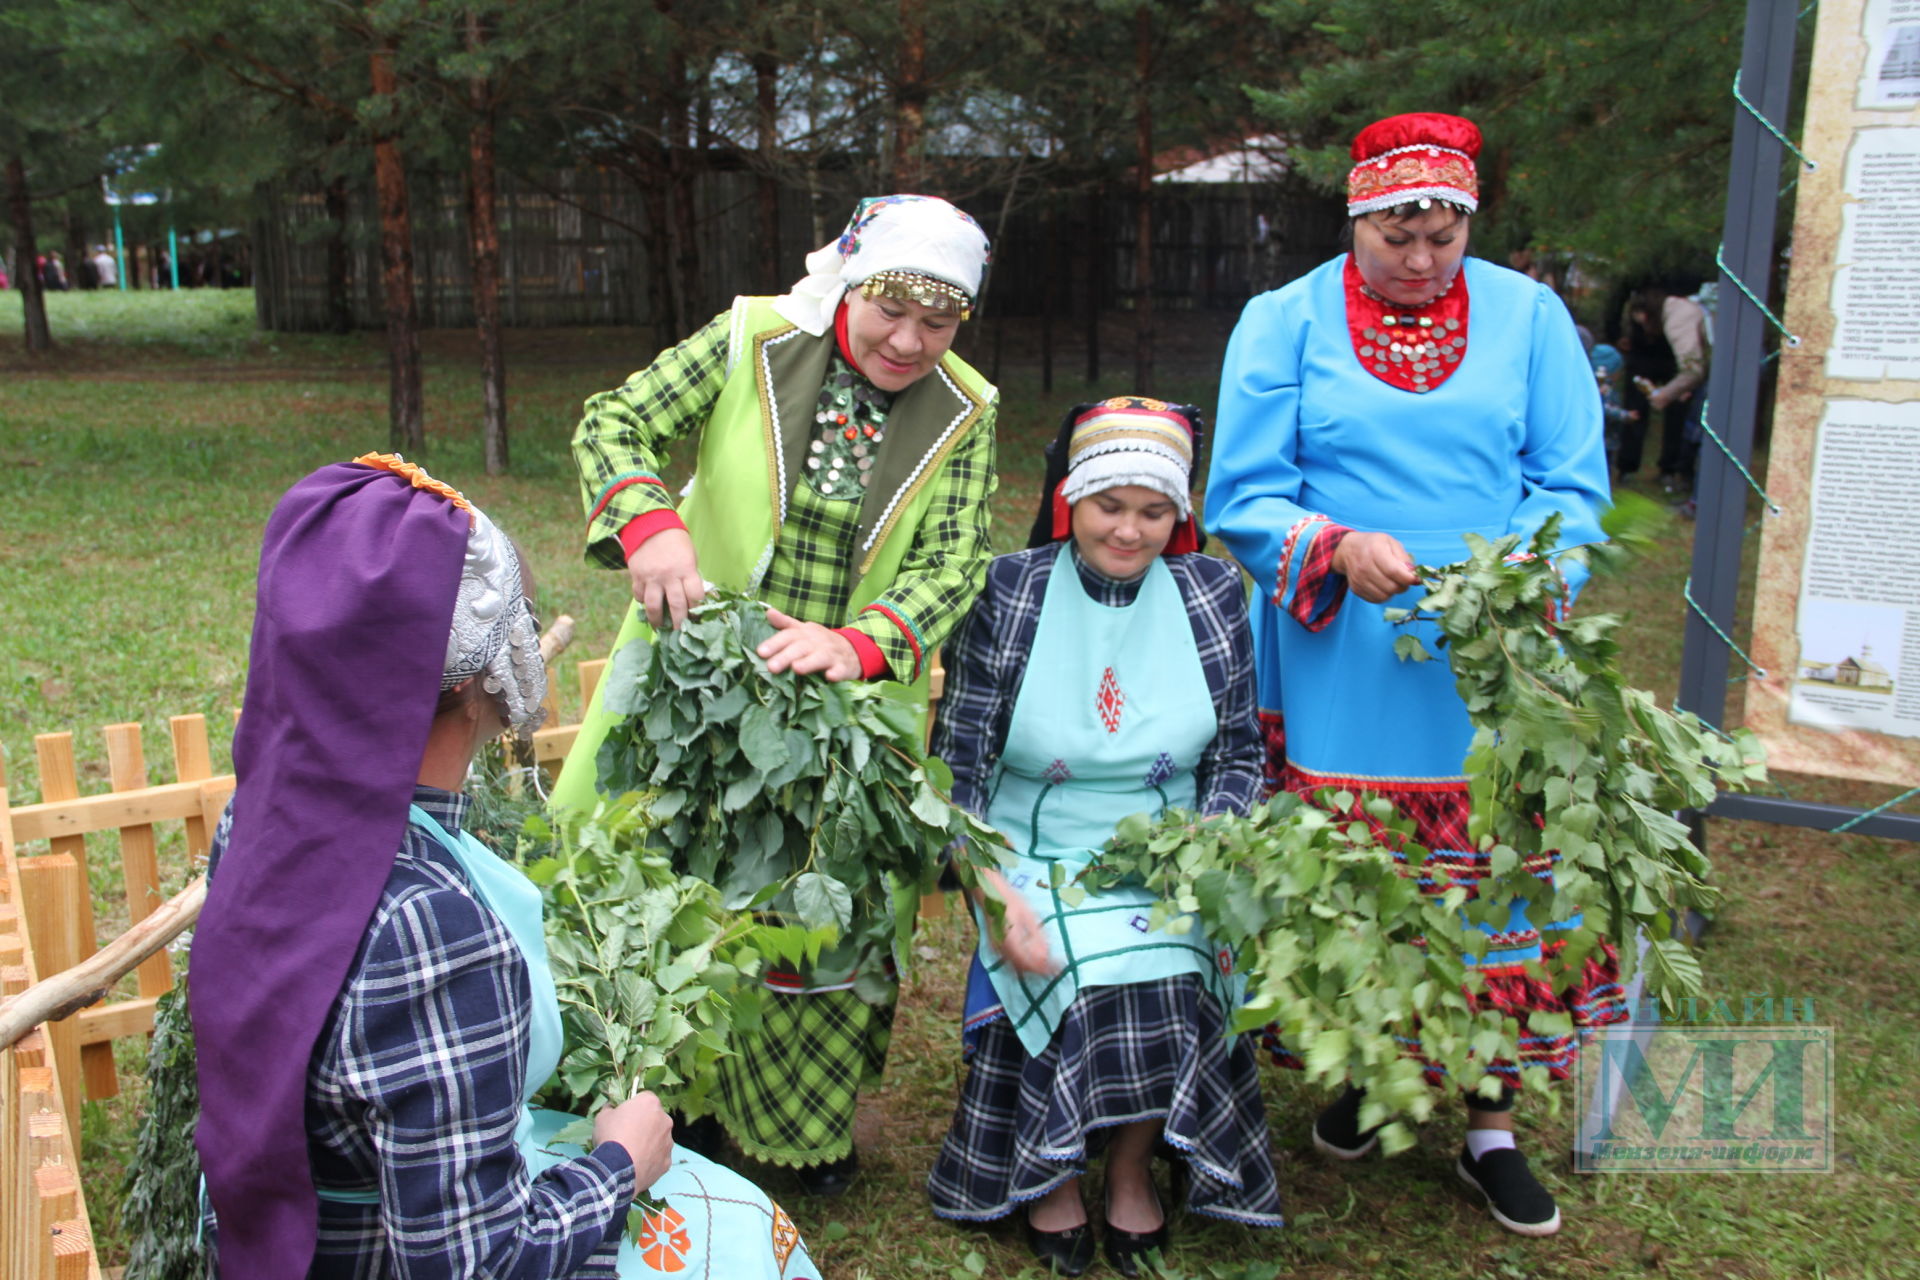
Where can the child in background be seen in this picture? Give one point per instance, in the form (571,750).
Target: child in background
(1607,363)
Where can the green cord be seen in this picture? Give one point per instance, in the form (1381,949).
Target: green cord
(1859,818)
(1687,591)
(1720,260)
(1773,508)
(1783,139)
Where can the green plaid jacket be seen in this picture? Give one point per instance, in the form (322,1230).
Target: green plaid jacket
(620,447)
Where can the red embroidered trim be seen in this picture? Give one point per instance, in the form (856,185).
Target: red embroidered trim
(616,487)
(1110,701)
(1415,172)
(1315,568)
(913,641)
(1411,356)
(1286,557)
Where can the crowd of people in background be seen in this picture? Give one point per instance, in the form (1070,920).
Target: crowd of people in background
(102,267)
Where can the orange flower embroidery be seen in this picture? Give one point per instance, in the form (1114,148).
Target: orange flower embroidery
(663,1240)
(414,474)
(786,1237)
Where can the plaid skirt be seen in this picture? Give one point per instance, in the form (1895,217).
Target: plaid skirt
(1142,1051)
(788,1091)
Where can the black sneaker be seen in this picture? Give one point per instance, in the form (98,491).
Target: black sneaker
(1514,1196)
(1337,1131)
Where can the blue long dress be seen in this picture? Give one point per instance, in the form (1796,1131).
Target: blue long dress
(1312,442)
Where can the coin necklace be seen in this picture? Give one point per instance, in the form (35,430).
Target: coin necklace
(850,422)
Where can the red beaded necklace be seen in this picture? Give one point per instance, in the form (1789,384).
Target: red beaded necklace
(1412,348)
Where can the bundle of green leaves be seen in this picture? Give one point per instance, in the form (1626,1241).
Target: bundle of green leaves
(653,974)
(1353,964)
(161,1212)
(810,803)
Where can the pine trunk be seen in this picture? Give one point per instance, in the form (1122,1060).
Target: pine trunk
(405,418)
(910,97)
(765,75)
(683,253)
(1143,194)
(484,244)
(33,298)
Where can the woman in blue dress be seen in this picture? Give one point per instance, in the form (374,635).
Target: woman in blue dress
(370,995)
(1371,414)
(1104,671)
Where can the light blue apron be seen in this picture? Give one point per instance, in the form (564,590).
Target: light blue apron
(715,1223)
(1112,717)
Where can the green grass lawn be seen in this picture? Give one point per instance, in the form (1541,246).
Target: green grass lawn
(140,458)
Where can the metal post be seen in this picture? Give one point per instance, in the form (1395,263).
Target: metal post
(1766,76)
(119,250)
(1733,387)
(173,255)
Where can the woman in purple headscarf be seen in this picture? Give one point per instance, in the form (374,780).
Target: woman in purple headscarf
(370,995)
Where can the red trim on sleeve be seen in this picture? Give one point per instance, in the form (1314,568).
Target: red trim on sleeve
(645,525)
(616,487)
(913,641)
(1319,591)
(873,663)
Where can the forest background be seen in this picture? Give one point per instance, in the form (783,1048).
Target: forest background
(1608,127)
(144,438)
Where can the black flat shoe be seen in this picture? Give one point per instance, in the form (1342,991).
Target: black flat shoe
(1126,1248)
(1062,1253)
(832,1178)
(1337,1131)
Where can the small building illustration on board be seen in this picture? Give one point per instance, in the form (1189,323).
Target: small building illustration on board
(1860,672)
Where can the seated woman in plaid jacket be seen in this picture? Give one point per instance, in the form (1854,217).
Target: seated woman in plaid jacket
(1105,670)
(370,995)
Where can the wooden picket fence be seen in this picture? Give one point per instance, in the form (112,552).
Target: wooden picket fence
(47,925)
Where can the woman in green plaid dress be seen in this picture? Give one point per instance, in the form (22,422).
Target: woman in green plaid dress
(844,466)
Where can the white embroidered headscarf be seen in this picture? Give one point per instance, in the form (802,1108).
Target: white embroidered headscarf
(922,235)
(494,636)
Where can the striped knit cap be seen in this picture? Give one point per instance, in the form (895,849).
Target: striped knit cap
(1131,440)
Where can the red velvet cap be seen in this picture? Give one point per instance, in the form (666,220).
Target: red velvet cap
(1423,155)
(1415,129)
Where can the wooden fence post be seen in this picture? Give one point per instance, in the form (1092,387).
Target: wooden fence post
(44,1233)
(139,856)
(193,762)
(59,781)
(48,888)
(590,673)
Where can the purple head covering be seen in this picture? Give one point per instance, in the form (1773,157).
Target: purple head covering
(359,571)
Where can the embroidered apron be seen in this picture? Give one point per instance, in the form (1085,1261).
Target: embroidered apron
(715,1223)
(1111,719)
